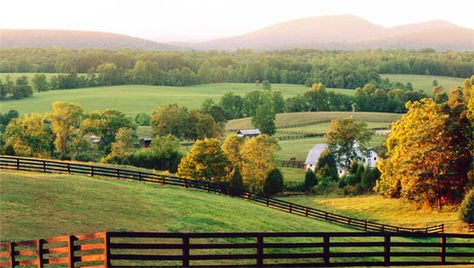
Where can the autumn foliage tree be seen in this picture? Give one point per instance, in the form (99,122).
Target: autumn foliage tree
(427,154)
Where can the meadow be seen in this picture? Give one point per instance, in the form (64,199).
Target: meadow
(424,82)
(134,99)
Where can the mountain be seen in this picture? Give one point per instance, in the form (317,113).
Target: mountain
(349,32)
(75,39)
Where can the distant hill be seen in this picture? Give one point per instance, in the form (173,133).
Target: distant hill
(349,32)
(75,39)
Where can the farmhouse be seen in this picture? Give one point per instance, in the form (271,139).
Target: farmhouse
(369,157)
(248,133)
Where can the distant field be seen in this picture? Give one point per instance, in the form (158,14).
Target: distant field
(424,82)
(286,119)
(134,99)
(324,127)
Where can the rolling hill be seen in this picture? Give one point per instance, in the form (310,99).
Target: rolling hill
(349,32)
(74,39)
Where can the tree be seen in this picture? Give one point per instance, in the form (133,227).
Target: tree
(201,126)
(278,102)
(142,119)
(266,85)
(40,83)
(22,88)
(65,122)
(310,180)
(345,138)
(231,148)
(29,136)
(110,121)
(236,182)
(434,83)
(109,74)
(257,160)
(3,90)
(253,100)
(264,119)
(205,161)
(273,183)
(122,147)
(427,156)
(326,165)
(170,119)
(232,105)
(317,98)
(466,209)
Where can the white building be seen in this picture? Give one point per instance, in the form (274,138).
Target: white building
(369,157)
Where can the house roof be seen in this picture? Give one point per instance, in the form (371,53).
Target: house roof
(146,139)
(254,131)
(315,153)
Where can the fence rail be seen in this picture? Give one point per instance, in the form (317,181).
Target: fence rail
(292,163)
(290,249)
(54,166)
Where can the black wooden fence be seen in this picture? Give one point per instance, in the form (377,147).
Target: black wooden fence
(288,249)
(53,166)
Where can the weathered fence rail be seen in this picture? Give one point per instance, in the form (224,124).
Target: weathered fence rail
(292,163)
(289,249)
(53,166)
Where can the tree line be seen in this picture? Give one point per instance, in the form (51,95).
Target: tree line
(337,69)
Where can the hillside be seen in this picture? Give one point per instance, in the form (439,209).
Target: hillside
(80,204)
(349,32)
(74,39)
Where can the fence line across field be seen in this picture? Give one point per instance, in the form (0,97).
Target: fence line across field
(267,249)
(54,166)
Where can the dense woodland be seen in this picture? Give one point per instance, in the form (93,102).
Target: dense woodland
(339,69)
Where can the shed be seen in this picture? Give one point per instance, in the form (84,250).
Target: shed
(145,142)
(248,133)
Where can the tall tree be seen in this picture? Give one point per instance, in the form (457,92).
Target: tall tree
(170,119)
(264,118)
(345,138)
(65,124)
(40,82)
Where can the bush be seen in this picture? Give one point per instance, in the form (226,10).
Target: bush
(274,182)
(369,178)
(323,186)
(295,187)
(342,183)
(466,209)
(236,182)
(310,180)
(350,179)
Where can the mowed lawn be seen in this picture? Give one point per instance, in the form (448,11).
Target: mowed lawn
(134,99)
(425,82)
(285,120)
(38,205)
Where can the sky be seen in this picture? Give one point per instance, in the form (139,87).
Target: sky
(197,20)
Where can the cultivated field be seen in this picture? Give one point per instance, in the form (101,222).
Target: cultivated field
(424,82)
(134,99)
(292,119)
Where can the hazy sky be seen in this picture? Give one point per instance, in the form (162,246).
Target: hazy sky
(201,19)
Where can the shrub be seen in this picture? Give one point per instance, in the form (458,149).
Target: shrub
(310,180)
(466,209)
(350,179)
(342,182)
(369,178)
(326,166)
(359,172)
(236,182)
(323,186)
(274,182)
(295,187)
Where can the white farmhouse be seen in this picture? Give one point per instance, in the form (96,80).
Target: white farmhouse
(369,157)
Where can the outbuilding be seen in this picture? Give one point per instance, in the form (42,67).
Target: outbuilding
(248,133)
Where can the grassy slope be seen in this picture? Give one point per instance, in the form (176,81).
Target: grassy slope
(324,127)
(43,205)
(286,119)
(424,82)
(377,208)
(133,99)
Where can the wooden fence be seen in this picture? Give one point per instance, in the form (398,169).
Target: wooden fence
(289,249)
(292,163)
(53,166)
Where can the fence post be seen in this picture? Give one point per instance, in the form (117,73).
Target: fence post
(365,225)
(291,208)
(442,227)
(118,173)
(18,164)
(268,201)
(12,253)
(442,249)
(306,212)
(208,187)
(386,257)
(68,168)
(70,252)
(39,247)
(259,249)
(107,262)
(139,176)
(92,171)
(44,166)
(326,249)
(185,250)
(326,216)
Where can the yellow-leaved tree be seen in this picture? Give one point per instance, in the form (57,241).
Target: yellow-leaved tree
(65,120)
(427,157)
(205,161)
(29,136)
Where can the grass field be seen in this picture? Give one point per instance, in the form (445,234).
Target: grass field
(134,99)
(325,127)
(44,205)
(377,208)
(286,119)
(424,82)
